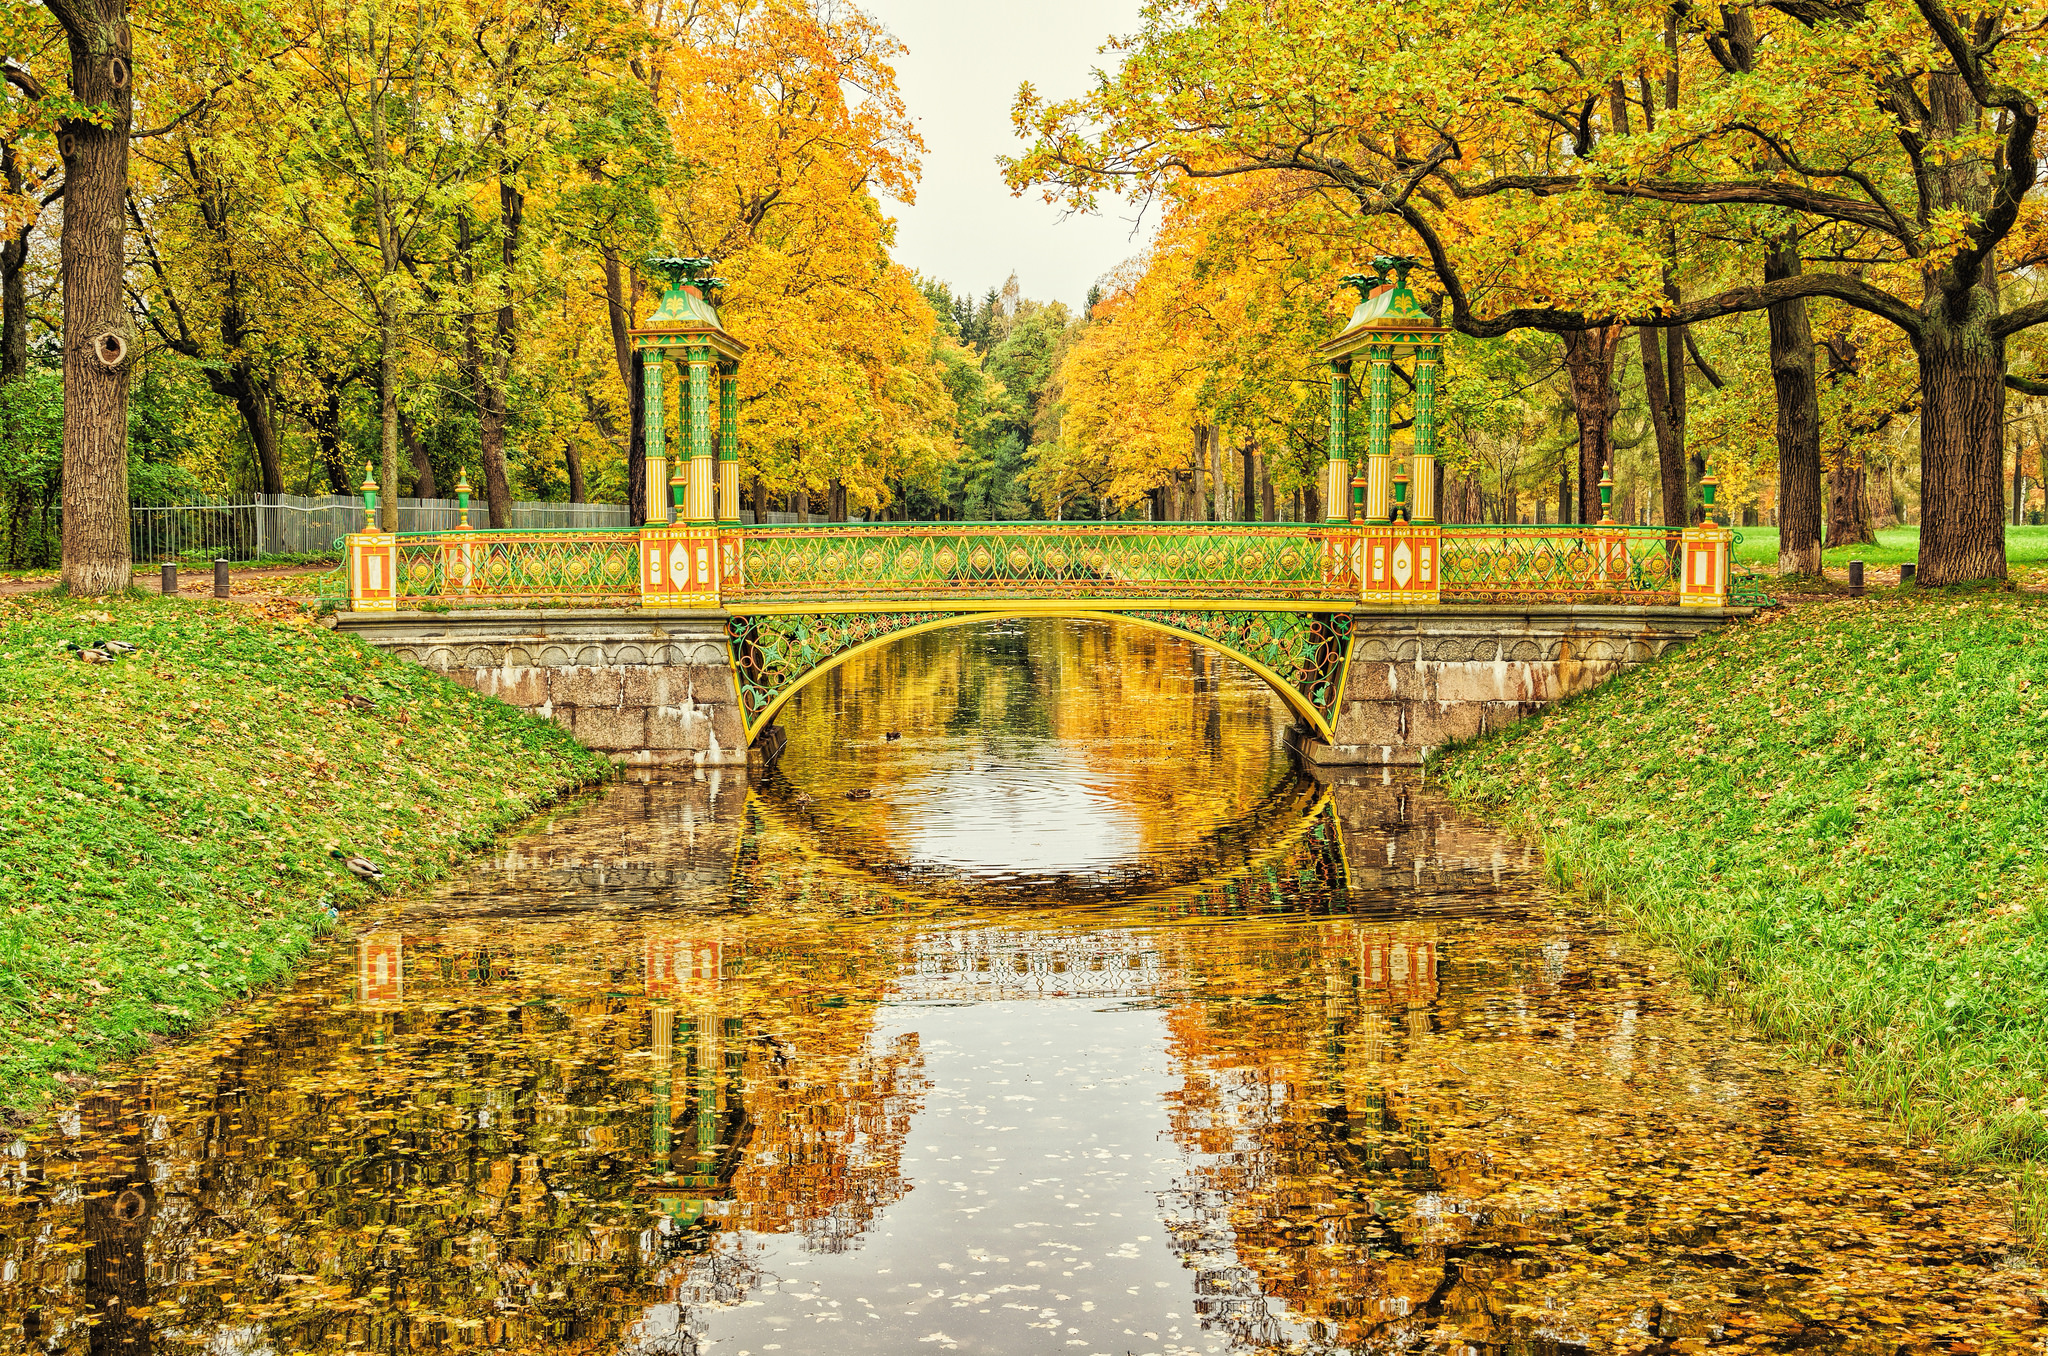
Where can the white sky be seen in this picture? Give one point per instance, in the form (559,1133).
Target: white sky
(959,78)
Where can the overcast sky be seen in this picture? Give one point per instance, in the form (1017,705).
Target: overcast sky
(965,62)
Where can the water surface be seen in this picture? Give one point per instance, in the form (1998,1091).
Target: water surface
(1072,1019)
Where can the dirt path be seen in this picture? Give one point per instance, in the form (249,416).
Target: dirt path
(263,584)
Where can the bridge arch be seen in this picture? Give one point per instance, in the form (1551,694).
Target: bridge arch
(1301,655)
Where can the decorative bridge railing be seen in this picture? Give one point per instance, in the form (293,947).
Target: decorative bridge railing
(925,566)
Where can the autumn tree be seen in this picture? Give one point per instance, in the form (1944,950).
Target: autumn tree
(99,337)
(1900,139)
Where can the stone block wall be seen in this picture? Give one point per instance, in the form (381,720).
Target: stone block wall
(651,689)
(1419,680)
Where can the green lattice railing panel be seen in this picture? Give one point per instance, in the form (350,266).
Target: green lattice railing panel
(773,654)
(1043,561)
(575,566)
(1305,650)
(1485,564)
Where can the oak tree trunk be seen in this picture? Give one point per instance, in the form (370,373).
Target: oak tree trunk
(99,337)
(1962,364)
(1848,503)
(1792,374)
(1589,364)
(1664,387)
(1962,453)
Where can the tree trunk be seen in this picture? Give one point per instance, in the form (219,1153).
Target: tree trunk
(2019,481)
(1564,491)
(14,277)
(1219,479)
(802,506)
(99,336)
(1248,501)
(1799,469)
(572,460)
(1664,385)
(619,311)
(1589,362)
(490,372)
(387,419)
(253,403)
(1962,454)
(1848,503)
(423,485)
(1194,512)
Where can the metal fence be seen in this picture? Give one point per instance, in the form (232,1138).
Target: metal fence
(291,524)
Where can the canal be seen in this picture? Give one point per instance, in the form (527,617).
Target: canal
(1036,1003)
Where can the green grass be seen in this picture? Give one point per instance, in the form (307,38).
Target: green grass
(165,821)
(1835,814)
(1895,546)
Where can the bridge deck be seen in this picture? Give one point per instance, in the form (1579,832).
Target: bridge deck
(820,568)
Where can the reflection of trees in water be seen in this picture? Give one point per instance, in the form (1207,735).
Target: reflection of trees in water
(1181,739)
(470,1160)
(1236,846)
(1312,1176)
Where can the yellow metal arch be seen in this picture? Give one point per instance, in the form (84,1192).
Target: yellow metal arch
(1300,703)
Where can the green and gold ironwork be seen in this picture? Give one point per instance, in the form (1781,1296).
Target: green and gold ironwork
(774,654)
(1484,564)
(1302,654)
(477,566)
(1276,563)
(1305,651)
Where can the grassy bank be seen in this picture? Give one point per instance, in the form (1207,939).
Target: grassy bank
(166,820)
(1835,814)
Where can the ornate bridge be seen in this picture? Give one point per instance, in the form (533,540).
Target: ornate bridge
(1286,599)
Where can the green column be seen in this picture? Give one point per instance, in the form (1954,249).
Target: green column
(1379,472)
(1429,361)
(1337,485)
(703,436)
(729,442)
(655,451)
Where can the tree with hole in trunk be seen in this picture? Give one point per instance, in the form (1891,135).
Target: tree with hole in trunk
(1904,137)
(99,334)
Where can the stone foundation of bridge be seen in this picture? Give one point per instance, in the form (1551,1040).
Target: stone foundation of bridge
(1420,680)
(648,688)
(656,688)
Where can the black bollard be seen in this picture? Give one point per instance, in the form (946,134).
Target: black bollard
(1906,573)
(220,578)
(170,581)
(1855,579)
